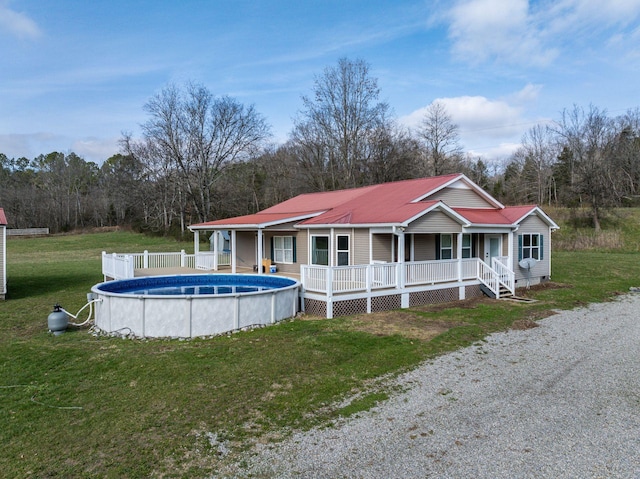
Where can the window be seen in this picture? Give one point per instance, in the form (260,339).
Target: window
(446,246)
(343,250)
(320,250)
(283,249)
(530,246)
(466,246)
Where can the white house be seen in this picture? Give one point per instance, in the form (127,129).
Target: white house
(393,245)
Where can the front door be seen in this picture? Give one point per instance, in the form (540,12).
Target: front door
(492,247)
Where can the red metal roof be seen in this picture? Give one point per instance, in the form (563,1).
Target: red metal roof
(487,216)
(378,204)
(318,201)
(388,203)
(3,218)
(261,218)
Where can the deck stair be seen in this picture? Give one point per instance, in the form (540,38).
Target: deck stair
(504,292)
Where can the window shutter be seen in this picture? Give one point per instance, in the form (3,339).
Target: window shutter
(272,252)
(541,247)
(295,259)
(437,246)
(519,247)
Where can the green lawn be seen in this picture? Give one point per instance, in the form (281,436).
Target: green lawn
(80,406)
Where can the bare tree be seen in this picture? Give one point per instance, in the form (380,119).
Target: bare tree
(199,135)
(334,131)
(589,137)
(626,154)
(441,140)
(536,158)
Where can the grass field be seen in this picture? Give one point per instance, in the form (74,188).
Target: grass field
(76,405)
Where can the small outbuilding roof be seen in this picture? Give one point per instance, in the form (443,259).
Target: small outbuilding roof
(3,218)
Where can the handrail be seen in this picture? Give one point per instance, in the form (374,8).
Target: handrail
(505,276)
(488,277)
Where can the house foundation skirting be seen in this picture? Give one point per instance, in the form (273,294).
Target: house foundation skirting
(386,300)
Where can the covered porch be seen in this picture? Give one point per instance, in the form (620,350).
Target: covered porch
(336,265)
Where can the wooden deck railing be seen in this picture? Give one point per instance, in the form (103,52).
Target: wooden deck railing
(343,279)
(123,266)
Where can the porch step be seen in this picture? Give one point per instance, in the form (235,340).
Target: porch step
(504,292)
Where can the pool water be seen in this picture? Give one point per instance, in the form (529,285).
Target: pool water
(196,290)
(201,284)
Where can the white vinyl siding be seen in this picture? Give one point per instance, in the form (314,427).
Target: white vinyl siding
(434,222)
(460,198)
(381,245)
(533,225)
(360,250)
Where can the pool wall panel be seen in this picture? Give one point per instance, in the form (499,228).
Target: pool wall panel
(193,316)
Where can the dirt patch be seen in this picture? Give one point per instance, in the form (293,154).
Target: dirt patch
(522,324)
(543,287)
(531,320)
(464,304)
(404,323)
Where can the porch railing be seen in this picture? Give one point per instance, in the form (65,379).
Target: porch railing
(343,279)
(506,277)
(206,260)
(123,266)
(117,266)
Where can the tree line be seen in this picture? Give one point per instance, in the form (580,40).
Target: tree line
(202,157)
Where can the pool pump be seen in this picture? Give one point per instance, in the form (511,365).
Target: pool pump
(58,320)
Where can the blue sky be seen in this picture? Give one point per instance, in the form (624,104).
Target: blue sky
(75,74)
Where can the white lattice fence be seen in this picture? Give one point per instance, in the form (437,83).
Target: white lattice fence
(433,297)
(313,307)
(350,307)
(385,303)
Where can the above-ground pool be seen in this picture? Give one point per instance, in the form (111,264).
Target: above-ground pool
(188,306)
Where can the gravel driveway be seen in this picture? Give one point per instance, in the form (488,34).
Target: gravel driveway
(558,401)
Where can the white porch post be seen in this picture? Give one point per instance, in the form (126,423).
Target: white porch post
(260,253)
(331,262)
(461,289)
(215,250)
(459,256)
(196,246)
(510,249)
(233,251)
(401,268)
(404,297)
(196,241)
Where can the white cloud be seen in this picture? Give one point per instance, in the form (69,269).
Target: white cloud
(494,153)
(576,14)
(528,94)
(524,32)
(96,149)
(30,145)
(484,30)
(489,128)
(17,23)
(474,114)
